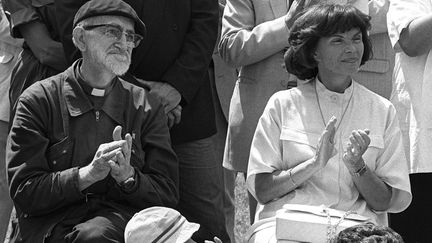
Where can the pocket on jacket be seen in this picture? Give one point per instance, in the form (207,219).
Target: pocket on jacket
(297,146)
(374,150)
(59,155)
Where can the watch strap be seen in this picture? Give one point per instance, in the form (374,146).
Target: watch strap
(360,171)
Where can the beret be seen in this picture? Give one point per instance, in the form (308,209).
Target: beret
(95,8)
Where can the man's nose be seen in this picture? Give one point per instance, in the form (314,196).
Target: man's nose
(123,40)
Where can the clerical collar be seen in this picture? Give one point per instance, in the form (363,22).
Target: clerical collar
(93,91)
(98,92)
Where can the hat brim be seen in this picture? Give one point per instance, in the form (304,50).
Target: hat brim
(186,231)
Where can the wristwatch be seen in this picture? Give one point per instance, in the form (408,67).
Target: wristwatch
(360,171)
(128,183)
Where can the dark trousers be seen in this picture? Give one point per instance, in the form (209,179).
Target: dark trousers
(201,189)
(414,224)
(99,222)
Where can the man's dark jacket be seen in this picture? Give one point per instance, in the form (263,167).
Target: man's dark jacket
(177,49)
(57,130)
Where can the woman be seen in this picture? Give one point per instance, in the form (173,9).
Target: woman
(254,40)
(357,163)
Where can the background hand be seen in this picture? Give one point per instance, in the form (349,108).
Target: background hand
(174,116)
(325,148)
(167,94)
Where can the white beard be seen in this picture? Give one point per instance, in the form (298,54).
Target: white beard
(115,63)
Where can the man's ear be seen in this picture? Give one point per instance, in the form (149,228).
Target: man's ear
(78,38)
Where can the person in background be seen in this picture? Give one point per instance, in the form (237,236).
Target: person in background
(87,150)
(254,39)
(43,54)
(173,61)
(222,80)
(357,163)
(410,31)
(376,73)
(9,51)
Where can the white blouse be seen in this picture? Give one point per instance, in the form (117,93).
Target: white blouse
(288,132)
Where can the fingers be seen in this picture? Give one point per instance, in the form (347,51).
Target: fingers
(177,114)
(171,119)
(111,154)
(331,124)
(365,136)
(117,133)
(107,147)
(117,161)
(356,147)
(329,131)
(174,116)
(127,152)
(360,141)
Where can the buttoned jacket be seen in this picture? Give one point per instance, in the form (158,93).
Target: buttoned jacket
(57,130)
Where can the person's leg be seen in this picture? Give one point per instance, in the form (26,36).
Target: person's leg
(201,189)
(252,204)
(228,175)
(413,224)
(229,202)
(105,225)
(5,201)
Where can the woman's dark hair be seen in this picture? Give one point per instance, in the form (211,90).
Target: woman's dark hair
(368,233)
(318,21)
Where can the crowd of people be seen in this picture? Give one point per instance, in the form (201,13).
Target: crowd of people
(128,121)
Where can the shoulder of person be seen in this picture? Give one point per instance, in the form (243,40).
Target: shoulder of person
(141,95)
(371,97)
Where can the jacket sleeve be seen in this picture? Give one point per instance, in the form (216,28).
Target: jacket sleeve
(378,11)
(158,177)
(21,12)
(34,186)
(245,42)
(188,70)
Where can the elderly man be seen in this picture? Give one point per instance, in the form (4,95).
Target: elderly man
(87,150)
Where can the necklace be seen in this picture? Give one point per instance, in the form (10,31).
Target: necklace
(331,229)
(343,113)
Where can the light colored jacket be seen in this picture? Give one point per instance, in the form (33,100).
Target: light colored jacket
(376,74)
(254,37)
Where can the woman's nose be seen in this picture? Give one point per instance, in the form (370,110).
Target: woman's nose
(349,47)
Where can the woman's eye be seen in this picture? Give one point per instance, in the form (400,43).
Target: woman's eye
(336,41)
(357,39)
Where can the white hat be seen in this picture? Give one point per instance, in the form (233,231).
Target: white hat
(159,224)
